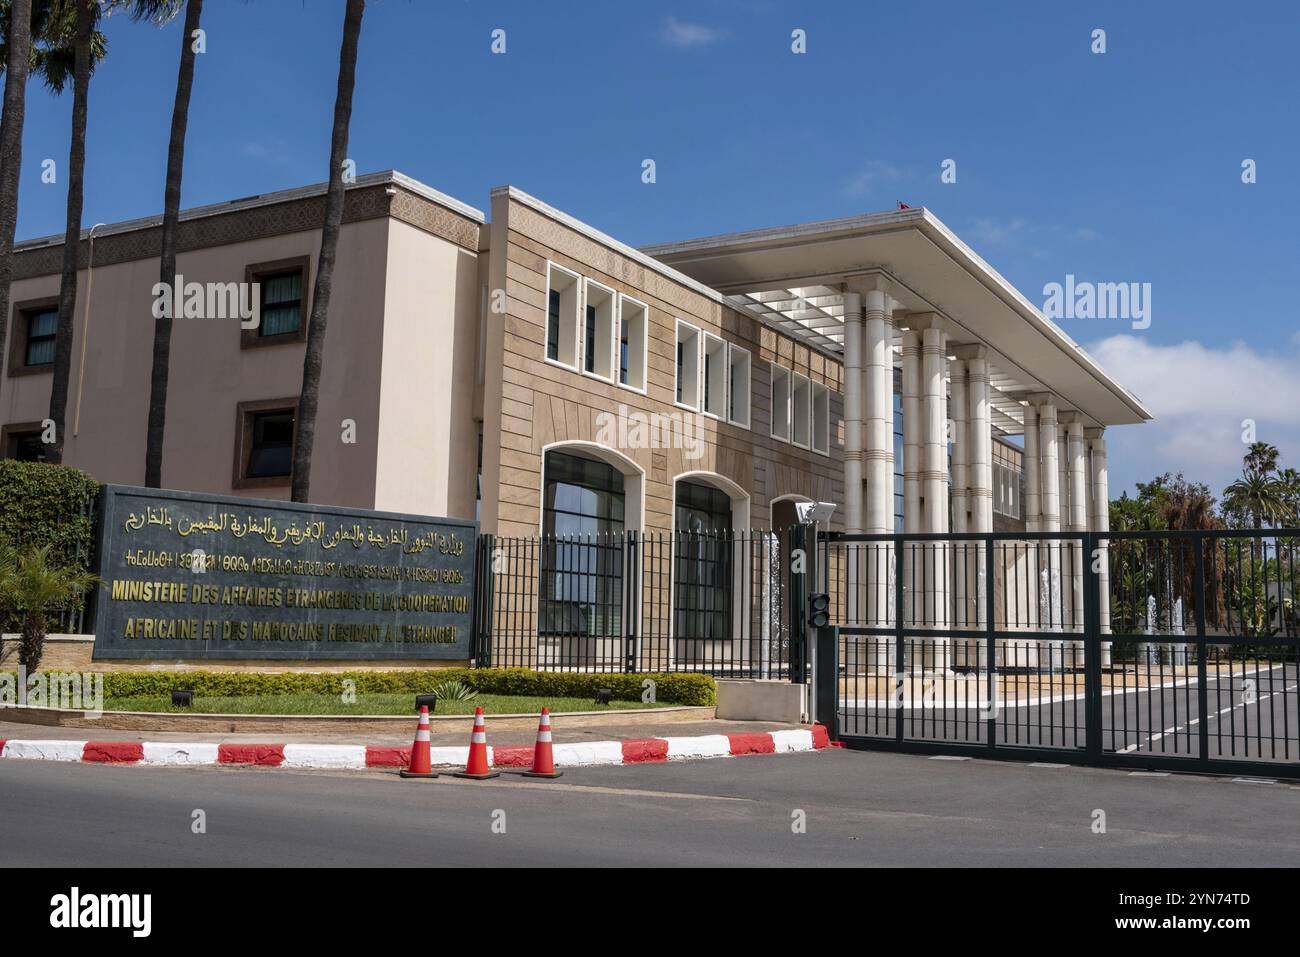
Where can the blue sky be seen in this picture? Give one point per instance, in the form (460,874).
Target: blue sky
(1118,167)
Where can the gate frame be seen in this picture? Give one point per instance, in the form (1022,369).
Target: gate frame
(825,642)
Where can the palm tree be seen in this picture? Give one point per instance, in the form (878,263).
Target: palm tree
(17,23)
(1259,496)
(305,420)
(83,15)
(32,587)
(162,335)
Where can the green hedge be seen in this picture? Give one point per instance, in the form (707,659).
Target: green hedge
(682,689)
(48,504)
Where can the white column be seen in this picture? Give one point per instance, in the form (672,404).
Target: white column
(1050,488)
(878,389)
(911,400)
(1031,508)
(981,476)
(1032,505)
(852,412)
(960,492)
(935,416)
(1100,522)
(962,552)
(878,457)
(913,519)
(1078,523)
(981,443)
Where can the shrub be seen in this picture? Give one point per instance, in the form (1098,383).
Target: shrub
(681,689)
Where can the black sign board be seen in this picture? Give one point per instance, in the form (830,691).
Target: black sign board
(189,575)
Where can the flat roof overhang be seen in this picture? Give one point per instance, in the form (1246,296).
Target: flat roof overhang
(930,270)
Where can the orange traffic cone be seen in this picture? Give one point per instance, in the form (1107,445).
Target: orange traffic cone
(477,765)
(420,757)
(543,757)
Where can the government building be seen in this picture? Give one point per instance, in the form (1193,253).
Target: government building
(527,370)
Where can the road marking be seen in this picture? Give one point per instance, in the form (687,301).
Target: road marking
(1148,774)
(1152,738)
(1254,781)
(1046,764)
(949,757)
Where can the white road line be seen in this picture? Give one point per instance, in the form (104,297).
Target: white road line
(1152,738)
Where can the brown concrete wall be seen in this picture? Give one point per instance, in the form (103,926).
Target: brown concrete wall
(537,403)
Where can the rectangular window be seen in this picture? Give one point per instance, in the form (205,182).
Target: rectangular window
(264,443)
(738,387)
(821,419)
(23,442)
(41,329)
(715,375)
(633,330)
(33,332)
(598,355)
(282,295)
(780,403)
(688,366)
(562,316)
(801,410)
(281,302)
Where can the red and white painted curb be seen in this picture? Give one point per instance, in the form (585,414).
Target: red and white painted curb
(356,756)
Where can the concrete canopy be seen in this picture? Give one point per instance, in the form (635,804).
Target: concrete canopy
(794,277)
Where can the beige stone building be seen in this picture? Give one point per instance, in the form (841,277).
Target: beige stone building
(533,372)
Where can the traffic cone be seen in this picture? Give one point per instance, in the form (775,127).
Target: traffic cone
(477,765)
(420,758)
(543,757)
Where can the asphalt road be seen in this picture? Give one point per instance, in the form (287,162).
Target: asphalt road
(860,808)
(1264,726)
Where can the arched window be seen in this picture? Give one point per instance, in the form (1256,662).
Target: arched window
(583,510)
(703,559)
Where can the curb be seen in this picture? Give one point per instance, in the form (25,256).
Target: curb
(360,756)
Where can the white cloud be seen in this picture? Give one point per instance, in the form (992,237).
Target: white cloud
(1200,395)
(682,35)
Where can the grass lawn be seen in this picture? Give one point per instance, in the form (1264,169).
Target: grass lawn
(365,704)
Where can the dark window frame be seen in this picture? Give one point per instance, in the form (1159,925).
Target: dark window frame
(19,323)
(256,273)
(15,432)
(246,416)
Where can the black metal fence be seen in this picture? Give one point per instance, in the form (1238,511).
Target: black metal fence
(721,603)
(1153,649)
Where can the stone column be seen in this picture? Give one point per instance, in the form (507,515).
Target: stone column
(1078,523)
(1031,508)
(854,584)
(852,412)
(913,518)
(935,482)
(981,479)
(1100,522)
(878,458)
(962,552)
(1049,585)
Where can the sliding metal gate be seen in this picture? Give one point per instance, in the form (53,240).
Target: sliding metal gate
(1166,650)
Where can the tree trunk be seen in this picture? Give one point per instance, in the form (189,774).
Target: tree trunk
(305,420)
(11,148)
(72,235)
(31,646)
(162,332)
